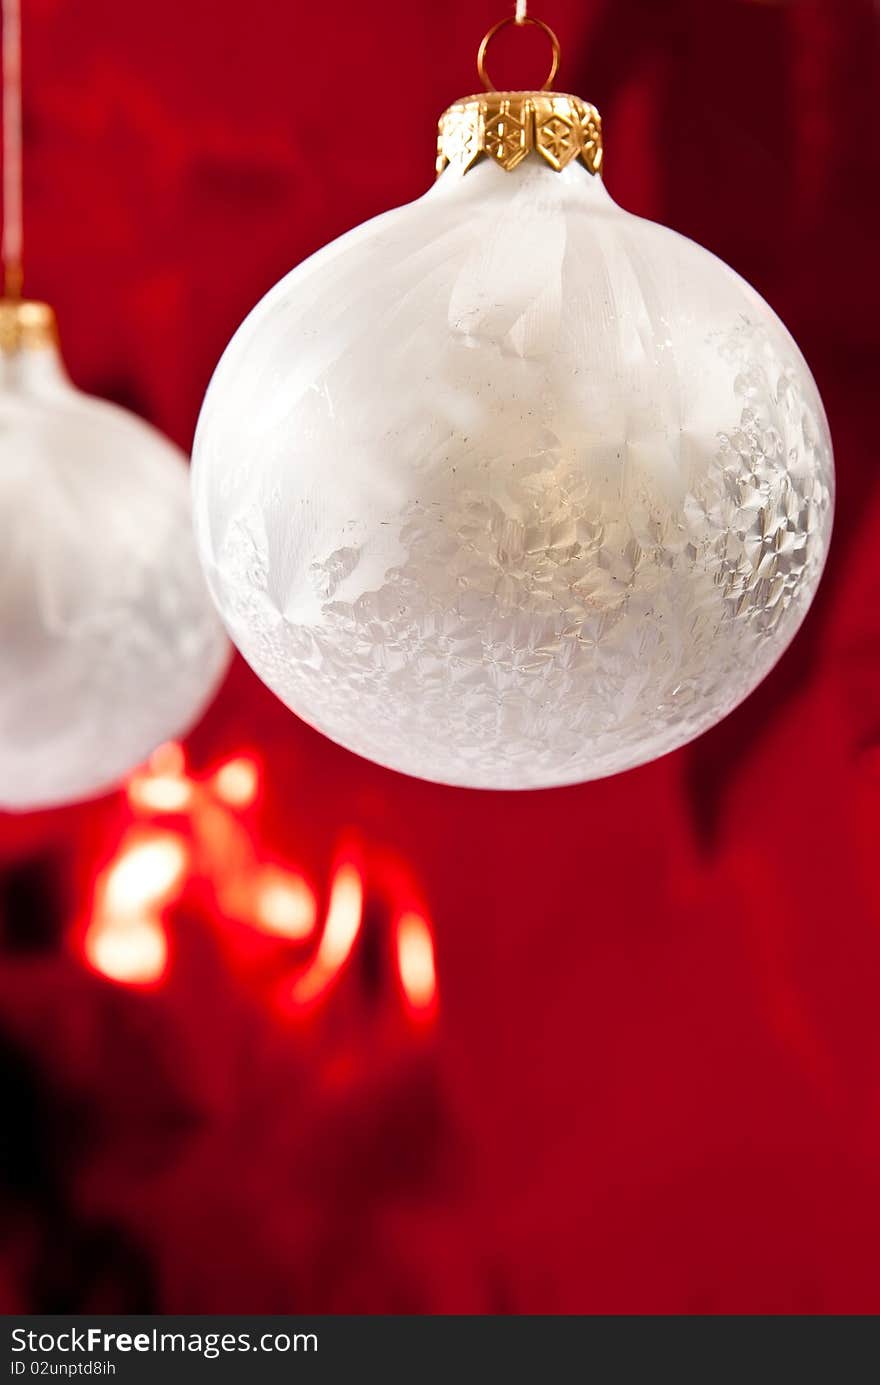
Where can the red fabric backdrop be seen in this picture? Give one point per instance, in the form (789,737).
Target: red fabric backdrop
(654,1081)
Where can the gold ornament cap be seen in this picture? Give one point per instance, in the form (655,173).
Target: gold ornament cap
(508,126)
(26,325)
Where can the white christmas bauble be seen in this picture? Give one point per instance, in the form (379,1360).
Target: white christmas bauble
(509,488)
(109,644)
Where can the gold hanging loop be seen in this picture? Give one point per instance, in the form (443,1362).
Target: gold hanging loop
(11,241)
(520,23)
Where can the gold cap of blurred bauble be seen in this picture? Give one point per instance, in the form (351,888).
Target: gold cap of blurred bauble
(26,324)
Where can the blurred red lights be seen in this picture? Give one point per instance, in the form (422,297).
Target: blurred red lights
(237,782)
(284,904)
(415,962)
(344,918)
(146,872)
(126,938)
(133,951)
(163,786)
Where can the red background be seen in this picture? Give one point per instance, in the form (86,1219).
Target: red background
(654,1080)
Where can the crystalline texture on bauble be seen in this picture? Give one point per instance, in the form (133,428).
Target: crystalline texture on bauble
(509,488)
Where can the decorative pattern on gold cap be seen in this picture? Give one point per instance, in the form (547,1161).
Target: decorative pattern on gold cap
(507,126)
(25,325)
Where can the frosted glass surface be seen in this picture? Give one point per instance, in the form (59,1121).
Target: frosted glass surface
(109,643)
(509,488)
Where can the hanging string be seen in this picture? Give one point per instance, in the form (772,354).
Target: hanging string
(11,248)
(522,11)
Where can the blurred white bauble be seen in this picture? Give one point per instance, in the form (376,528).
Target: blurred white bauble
(509,488)
(109,644)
